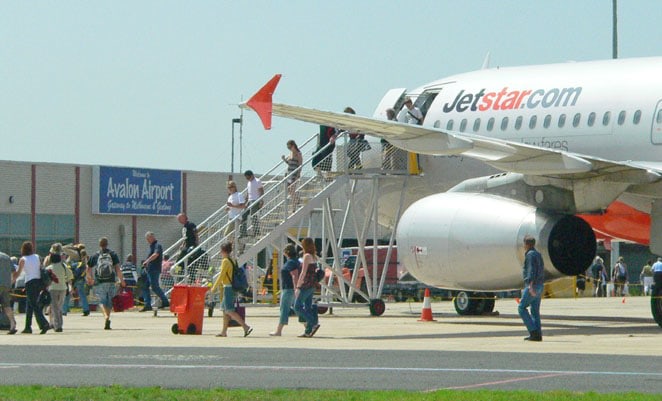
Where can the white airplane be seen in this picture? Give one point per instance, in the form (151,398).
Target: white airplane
(573,139)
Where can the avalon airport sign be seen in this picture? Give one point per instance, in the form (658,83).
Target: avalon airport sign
(136,191)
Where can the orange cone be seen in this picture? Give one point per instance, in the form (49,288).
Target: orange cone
(426,312)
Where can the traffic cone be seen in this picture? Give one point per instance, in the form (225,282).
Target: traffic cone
(426,312)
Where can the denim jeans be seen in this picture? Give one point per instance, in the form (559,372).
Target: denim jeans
(153,281)
(531,321)
(32,290)
(286,298)
(303,305)
(80,288)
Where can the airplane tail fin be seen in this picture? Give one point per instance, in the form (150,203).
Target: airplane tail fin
(261,102)
(486,62)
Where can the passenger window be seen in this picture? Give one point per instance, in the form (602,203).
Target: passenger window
(518,122)
(576,120)
(437,124)
(659,117)
(637,117)
(548,121)
(463,125)
(504,124)
(449,125)
(606,117)
(532,122)
(621,117)
(490,124)
(591,119)
(561,120)
(476,124)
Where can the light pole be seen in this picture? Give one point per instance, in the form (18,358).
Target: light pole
(234,121)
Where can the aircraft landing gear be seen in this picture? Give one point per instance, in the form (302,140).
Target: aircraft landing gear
(656,304)
(473,303)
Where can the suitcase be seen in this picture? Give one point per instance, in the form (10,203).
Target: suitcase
(241,311)
(123,300)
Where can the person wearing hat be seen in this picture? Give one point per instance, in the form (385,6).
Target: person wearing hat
(410,114)
(657,277)
(619,276)
(59,288)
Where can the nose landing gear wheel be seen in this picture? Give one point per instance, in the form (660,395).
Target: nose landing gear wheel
(377,307)
(656,305)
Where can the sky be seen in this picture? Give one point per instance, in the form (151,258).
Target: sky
(156,84)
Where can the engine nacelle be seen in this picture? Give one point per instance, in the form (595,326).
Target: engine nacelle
(474,241)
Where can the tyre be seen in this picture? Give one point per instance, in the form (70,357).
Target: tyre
(190,329)
(656,305)
(175,328)
(464,303)
(377,307)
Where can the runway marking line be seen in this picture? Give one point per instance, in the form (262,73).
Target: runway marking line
(322,368)
(515,380)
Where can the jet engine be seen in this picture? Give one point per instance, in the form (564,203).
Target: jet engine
(474,241)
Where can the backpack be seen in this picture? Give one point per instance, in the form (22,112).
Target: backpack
(47,277)
(239,279)
(319,272)
(105,270)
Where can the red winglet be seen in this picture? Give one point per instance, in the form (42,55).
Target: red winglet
(262,102)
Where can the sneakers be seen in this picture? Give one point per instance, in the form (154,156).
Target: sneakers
(304,335)
(146,309)
(86,313)
(12,332)
(536,335)
(248,331)
(107,325)
(58,330)
(45,330)
(315,328)
(166,306)
(27,331)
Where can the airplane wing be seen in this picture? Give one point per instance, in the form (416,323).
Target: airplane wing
(504,155)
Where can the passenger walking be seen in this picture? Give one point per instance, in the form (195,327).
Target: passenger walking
(189,235)
(152,266)
(534,282)
(103,270)
(224,280)
(234,206)
(620,277)
(646,277)
(6,279)
(255,190)
(30,263)
(326,144)
(599,272)
(303,304)
(388,150)
(294,161)
(657,277)
(60,288)
(289,275)
(355,146)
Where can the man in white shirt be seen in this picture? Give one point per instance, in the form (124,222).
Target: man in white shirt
(234,206)
(255,190)
(410,114)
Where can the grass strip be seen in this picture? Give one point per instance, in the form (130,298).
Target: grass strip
(44,393)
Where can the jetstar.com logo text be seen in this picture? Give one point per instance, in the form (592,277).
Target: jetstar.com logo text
(513,99)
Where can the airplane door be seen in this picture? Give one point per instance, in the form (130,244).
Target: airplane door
(656,127)
(388,101)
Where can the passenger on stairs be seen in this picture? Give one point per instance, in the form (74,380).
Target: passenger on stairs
(294,161)
(234,206)
(255,190)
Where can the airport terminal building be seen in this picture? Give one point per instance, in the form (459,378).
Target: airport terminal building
(69,203)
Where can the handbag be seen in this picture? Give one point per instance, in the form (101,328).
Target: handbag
(241,311)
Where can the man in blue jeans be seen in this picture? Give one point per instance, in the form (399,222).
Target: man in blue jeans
(534,283)
(152,266)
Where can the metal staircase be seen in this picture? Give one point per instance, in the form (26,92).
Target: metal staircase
(285,209)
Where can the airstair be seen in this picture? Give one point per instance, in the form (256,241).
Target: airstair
(332,203)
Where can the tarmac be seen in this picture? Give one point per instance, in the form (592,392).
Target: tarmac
(586,342)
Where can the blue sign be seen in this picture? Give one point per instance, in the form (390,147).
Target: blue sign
(136,191)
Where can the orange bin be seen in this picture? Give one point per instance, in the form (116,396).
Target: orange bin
(188,302)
